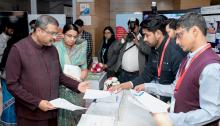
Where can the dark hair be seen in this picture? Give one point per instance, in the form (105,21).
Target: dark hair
(8,25)
(172,23)
(192,19)
(44,20)
(154,23)
(68,27)
(32,22)
(135,20)
(112,31)
(79,22)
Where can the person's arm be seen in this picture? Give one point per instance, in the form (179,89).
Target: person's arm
(143,47)
(84,74)
(113,53)
(13,74)
(159,89)
(209,97)
(99,52)
(147,75)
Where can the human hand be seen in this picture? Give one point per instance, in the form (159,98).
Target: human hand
(105,66)
(83,86)
(139,88)
(136,39)
(120,87)
(162,119)
(59,36)
(45,105)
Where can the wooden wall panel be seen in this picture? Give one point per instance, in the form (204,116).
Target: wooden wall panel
(100,11)
(186,4)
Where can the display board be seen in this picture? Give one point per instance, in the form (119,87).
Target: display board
(212,17)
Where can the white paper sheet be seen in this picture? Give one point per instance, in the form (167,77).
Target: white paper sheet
(96,120)
(72,71)
(64,104)
(149,102)
(96,94)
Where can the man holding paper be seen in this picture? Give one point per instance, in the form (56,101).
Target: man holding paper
(33,75)
(164,59)
(196,90)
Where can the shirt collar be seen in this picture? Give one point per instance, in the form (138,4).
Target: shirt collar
(6,37)
(34,43)
(192,54)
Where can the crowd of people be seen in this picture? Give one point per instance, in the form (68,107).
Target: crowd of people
(168,58)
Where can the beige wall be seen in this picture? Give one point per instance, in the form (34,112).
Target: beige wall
(186,4)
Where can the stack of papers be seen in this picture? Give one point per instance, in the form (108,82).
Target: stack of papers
(72,71)
(64,104)
(96,120)
(148,102)
(96,94)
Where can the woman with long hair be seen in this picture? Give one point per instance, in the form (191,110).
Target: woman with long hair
(109,51)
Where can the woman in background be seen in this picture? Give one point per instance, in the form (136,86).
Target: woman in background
(72,52)
(109,51)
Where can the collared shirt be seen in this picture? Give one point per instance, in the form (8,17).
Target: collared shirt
(3,43)
(130,58)
(209,96)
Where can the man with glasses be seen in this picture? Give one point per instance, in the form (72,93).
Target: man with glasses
(196,90)
(164,58)
(33,75)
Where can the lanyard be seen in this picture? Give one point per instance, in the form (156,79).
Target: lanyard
(181,76)
(162,56)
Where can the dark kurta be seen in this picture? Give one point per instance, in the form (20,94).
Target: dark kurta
(33,73)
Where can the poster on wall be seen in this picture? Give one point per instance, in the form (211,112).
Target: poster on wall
(61,18)
(213,25)
(86,19)
(121,23)
(84,9)
(213,31)
(212,17)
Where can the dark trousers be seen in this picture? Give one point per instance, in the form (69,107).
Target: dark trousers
(125,76)
(27,122)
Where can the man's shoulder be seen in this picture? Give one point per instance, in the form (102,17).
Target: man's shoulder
(87,33)
(23,42)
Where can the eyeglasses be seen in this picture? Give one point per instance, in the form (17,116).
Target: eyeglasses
(71,36)
(107,32)
(180,34)
(53,34)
